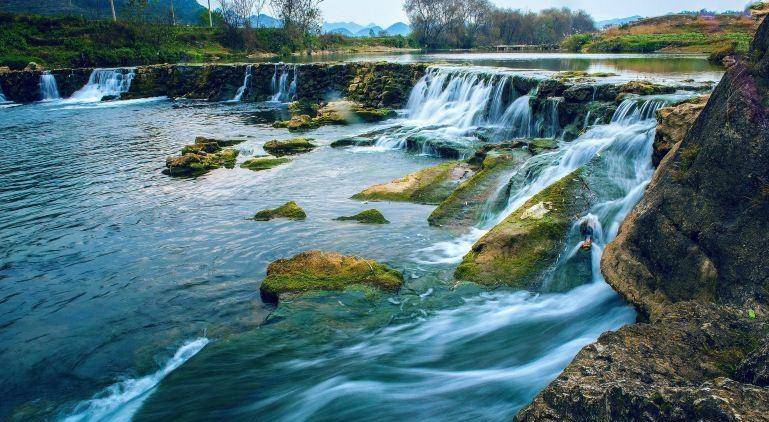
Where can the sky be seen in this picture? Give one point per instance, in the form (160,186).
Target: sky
(387,12)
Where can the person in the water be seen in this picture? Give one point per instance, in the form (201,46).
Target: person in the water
(587,230)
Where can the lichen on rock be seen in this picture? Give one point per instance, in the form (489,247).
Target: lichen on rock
(372,216)
(289,210)
(325,271)
(201,157)
(519,249)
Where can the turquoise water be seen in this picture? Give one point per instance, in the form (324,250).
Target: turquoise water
(128,294)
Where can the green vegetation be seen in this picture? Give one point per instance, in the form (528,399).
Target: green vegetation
(428,186)
(201,157)
(289,147)
(685,33)
(289,210)
(71,41)
(371,216)
(316,271)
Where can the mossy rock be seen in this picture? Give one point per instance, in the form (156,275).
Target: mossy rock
(371,216)
(540,145)
(465,206)
(201,157)
(289,147)
(645,88)
(263,163)
(289,210)
(519,249)
(428,186)
(297,124)
(325,271)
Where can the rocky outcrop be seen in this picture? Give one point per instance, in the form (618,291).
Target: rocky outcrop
(289,147)
(692,259)
(201,157)
(325,271)
(673,123)
(289,210)
(519,249)
(305,117)
(371,216)
(428,186)
(466,205)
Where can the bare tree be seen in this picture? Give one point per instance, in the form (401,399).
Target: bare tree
(302,16)
(173,15)
(112,5)
(237,13)
(210,16)
(258,7)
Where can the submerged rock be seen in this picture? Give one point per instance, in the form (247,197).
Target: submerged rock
(289,210)
(520,248)
(265,162)
(335,113)
(674,123)
(540,145)
(289,147)
(371,216)
(466,205)
(645,88)
(201,157)
(427,186)
(325,271)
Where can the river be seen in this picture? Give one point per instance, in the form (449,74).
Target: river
(126,294)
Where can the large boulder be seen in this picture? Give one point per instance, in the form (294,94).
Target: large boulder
(201,157)
(692,258)
(519,249)
(325,271)
(428,186)
(673,123)
(289,147)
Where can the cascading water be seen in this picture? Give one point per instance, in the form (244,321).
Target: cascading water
(105,83)
(282,90)
(246,80)
(48,88)
(2,97)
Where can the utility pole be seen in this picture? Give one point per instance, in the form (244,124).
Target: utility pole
(112,5)
(173,15)
(210,17)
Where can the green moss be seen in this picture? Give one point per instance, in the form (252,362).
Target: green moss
(263,163)
(518,250)
(427,186)
(371,216)
(289,210)
(323,271)
(289,147)
(540,145)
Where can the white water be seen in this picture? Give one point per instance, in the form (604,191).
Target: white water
(121,400)
(246,80)
(48,88)
(3,100)
(282,90)
(625,145)
(104,83)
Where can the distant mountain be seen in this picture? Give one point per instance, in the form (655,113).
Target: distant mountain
(399,28)
(265,21)
(617,22)
(369,30)
(186,11)
(334,27)
(341,31)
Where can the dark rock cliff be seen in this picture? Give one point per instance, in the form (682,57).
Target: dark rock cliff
(693,259)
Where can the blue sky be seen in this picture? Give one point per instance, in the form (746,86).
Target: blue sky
(386,12)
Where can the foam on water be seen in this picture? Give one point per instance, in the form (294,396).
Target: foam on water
(246,80)
(282,90)
(121,400)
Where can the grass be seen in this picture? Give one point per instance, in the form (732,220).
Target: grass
(683,33)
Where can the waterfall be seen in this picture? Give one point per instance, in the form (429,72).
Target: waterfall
(48,89)
(246,81)
(282,90)
(519,118)
(105,83)
(2,97)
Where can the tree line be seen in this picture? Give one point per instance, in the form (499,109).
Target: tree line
(438,24)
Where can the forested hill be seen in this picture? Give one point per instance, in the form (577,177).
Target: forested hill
(186,11)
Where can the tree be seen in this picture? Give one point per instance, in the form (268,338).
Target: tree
(210,15)
(301,19)
(173,15)
(258,8)
(112,5)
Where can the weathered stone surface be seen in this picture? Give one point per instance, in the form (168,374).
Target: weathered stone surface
(673,124)
(289,210)
(371,216)
(321,271)
(427,186)
(528,241)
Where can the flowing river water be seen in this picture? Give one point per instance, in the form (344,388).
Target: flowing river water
(125,294)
